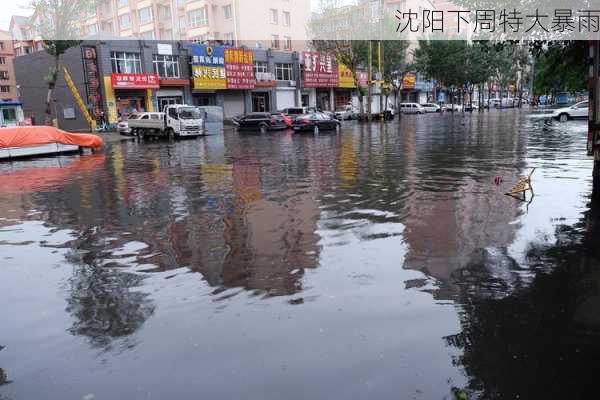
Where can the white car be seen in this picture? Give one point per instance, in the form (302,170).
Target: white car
(580,110)
(345,113)
(431,108)
(453,107)
(411,108)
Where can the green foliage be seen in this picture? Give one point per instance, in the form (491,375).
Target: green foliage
(561,66)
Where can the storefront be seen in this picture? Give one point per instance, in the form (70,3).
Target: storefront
(131,93)
(171,92)
(11,113)
(320,72)
(261,101)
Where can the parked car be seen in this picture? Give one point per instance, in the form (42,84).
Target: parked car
(471,107)
(286,118)
(309,122)
(295,111)
(411,108)
(346,113)
(577,111)
(453,107)
(431,107)
(260,121)
(123,127)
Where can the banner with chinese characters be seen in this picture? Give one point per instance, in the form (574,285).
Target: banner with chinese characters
(92,80)
(409,81)
(320,70)
(208,67)
(239,69)
(346,80)
(135,81)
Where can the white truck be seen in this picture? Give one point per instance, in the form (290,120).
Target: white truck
(176,120)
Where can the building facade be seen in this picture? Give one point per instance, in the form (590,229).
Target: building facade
(117,78)
(257,23)
(10,107)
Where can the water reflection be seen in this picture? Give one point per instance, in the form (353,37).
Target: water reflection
(408,269)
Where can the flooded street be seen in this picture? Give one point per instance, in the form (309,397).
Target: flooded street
(381,262)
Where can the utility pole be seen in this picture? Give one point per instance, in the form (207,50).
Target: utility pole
(380,68)
(370,82)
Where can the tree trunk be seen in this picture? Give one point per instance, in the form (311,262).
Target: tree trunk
(53,77)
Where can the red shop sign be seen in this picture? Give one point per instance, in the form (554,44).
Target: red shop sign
(135,81)
(239,69)
(320,70)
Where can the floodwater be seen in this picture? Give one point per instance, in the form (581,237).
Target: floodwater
(382,262)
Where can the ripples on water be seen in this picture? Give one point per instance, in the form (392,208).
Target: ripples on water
(379,261)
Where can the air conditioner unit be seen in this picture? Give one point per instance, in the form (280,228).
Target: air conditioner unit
(265,76)
(292,83)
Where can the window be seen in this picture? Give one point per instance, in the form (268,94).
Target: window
(274,41)
(148,35)
(9,114)
(92,29)
(2,60)
(1,45)
(260,67)
(287,43)
(228,40)
(198,17)
(181,24)
(4,89)
(286,18)
(166,66)
(122,3)
(124,21)
(227,11)
(125,63)
(145,15)
(284,72)
(274,16)
(165,12)
(4,75)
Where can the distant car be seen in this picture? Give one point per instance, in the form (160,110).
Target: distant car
(431,107)
(453,107)
(580,110)
(308,122)
(346,113)
(411,108)
(471,107)
(123,127)
(260,121)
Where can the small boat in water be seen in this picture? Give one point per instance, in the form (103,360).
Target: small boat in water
(29,141)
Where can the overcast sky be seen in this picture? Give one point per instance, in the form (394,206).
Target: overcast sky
(10,8)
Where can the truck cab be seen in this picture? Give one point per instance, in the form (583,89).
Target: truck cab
(184,120)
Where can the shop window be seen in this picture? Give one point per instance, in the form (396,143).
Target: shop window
(284,72)
(166,66)
(125,63)
(9,114)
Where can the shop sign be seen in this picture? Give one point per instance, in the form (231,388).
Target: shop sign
(363,79)
(424,86)
(409,81)
(346,80)
(164,49)
(208,67)
(239,68)
(320,70)
(92,80)
(135,81)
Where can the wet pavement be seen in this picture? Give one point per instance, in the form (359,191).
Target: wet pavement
(381,262)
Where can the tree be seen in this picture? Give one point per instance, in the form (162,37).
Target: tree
(560,66)
(60,28)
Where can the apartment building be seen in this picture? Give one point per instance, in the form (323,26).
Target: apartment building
(10,108)
(25,35)
(276,24)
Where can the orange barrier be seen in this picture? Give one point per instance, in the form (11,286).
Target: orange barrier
(27,136)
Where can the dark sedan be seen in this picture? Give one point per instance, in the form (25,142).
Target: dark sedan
(261,121)
(311,121)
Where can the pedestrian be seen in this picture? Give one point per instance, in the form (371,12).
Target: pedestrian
(102,121)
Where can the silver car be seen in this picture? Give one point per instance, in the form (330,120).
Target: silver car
(411,108)
(431,108)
